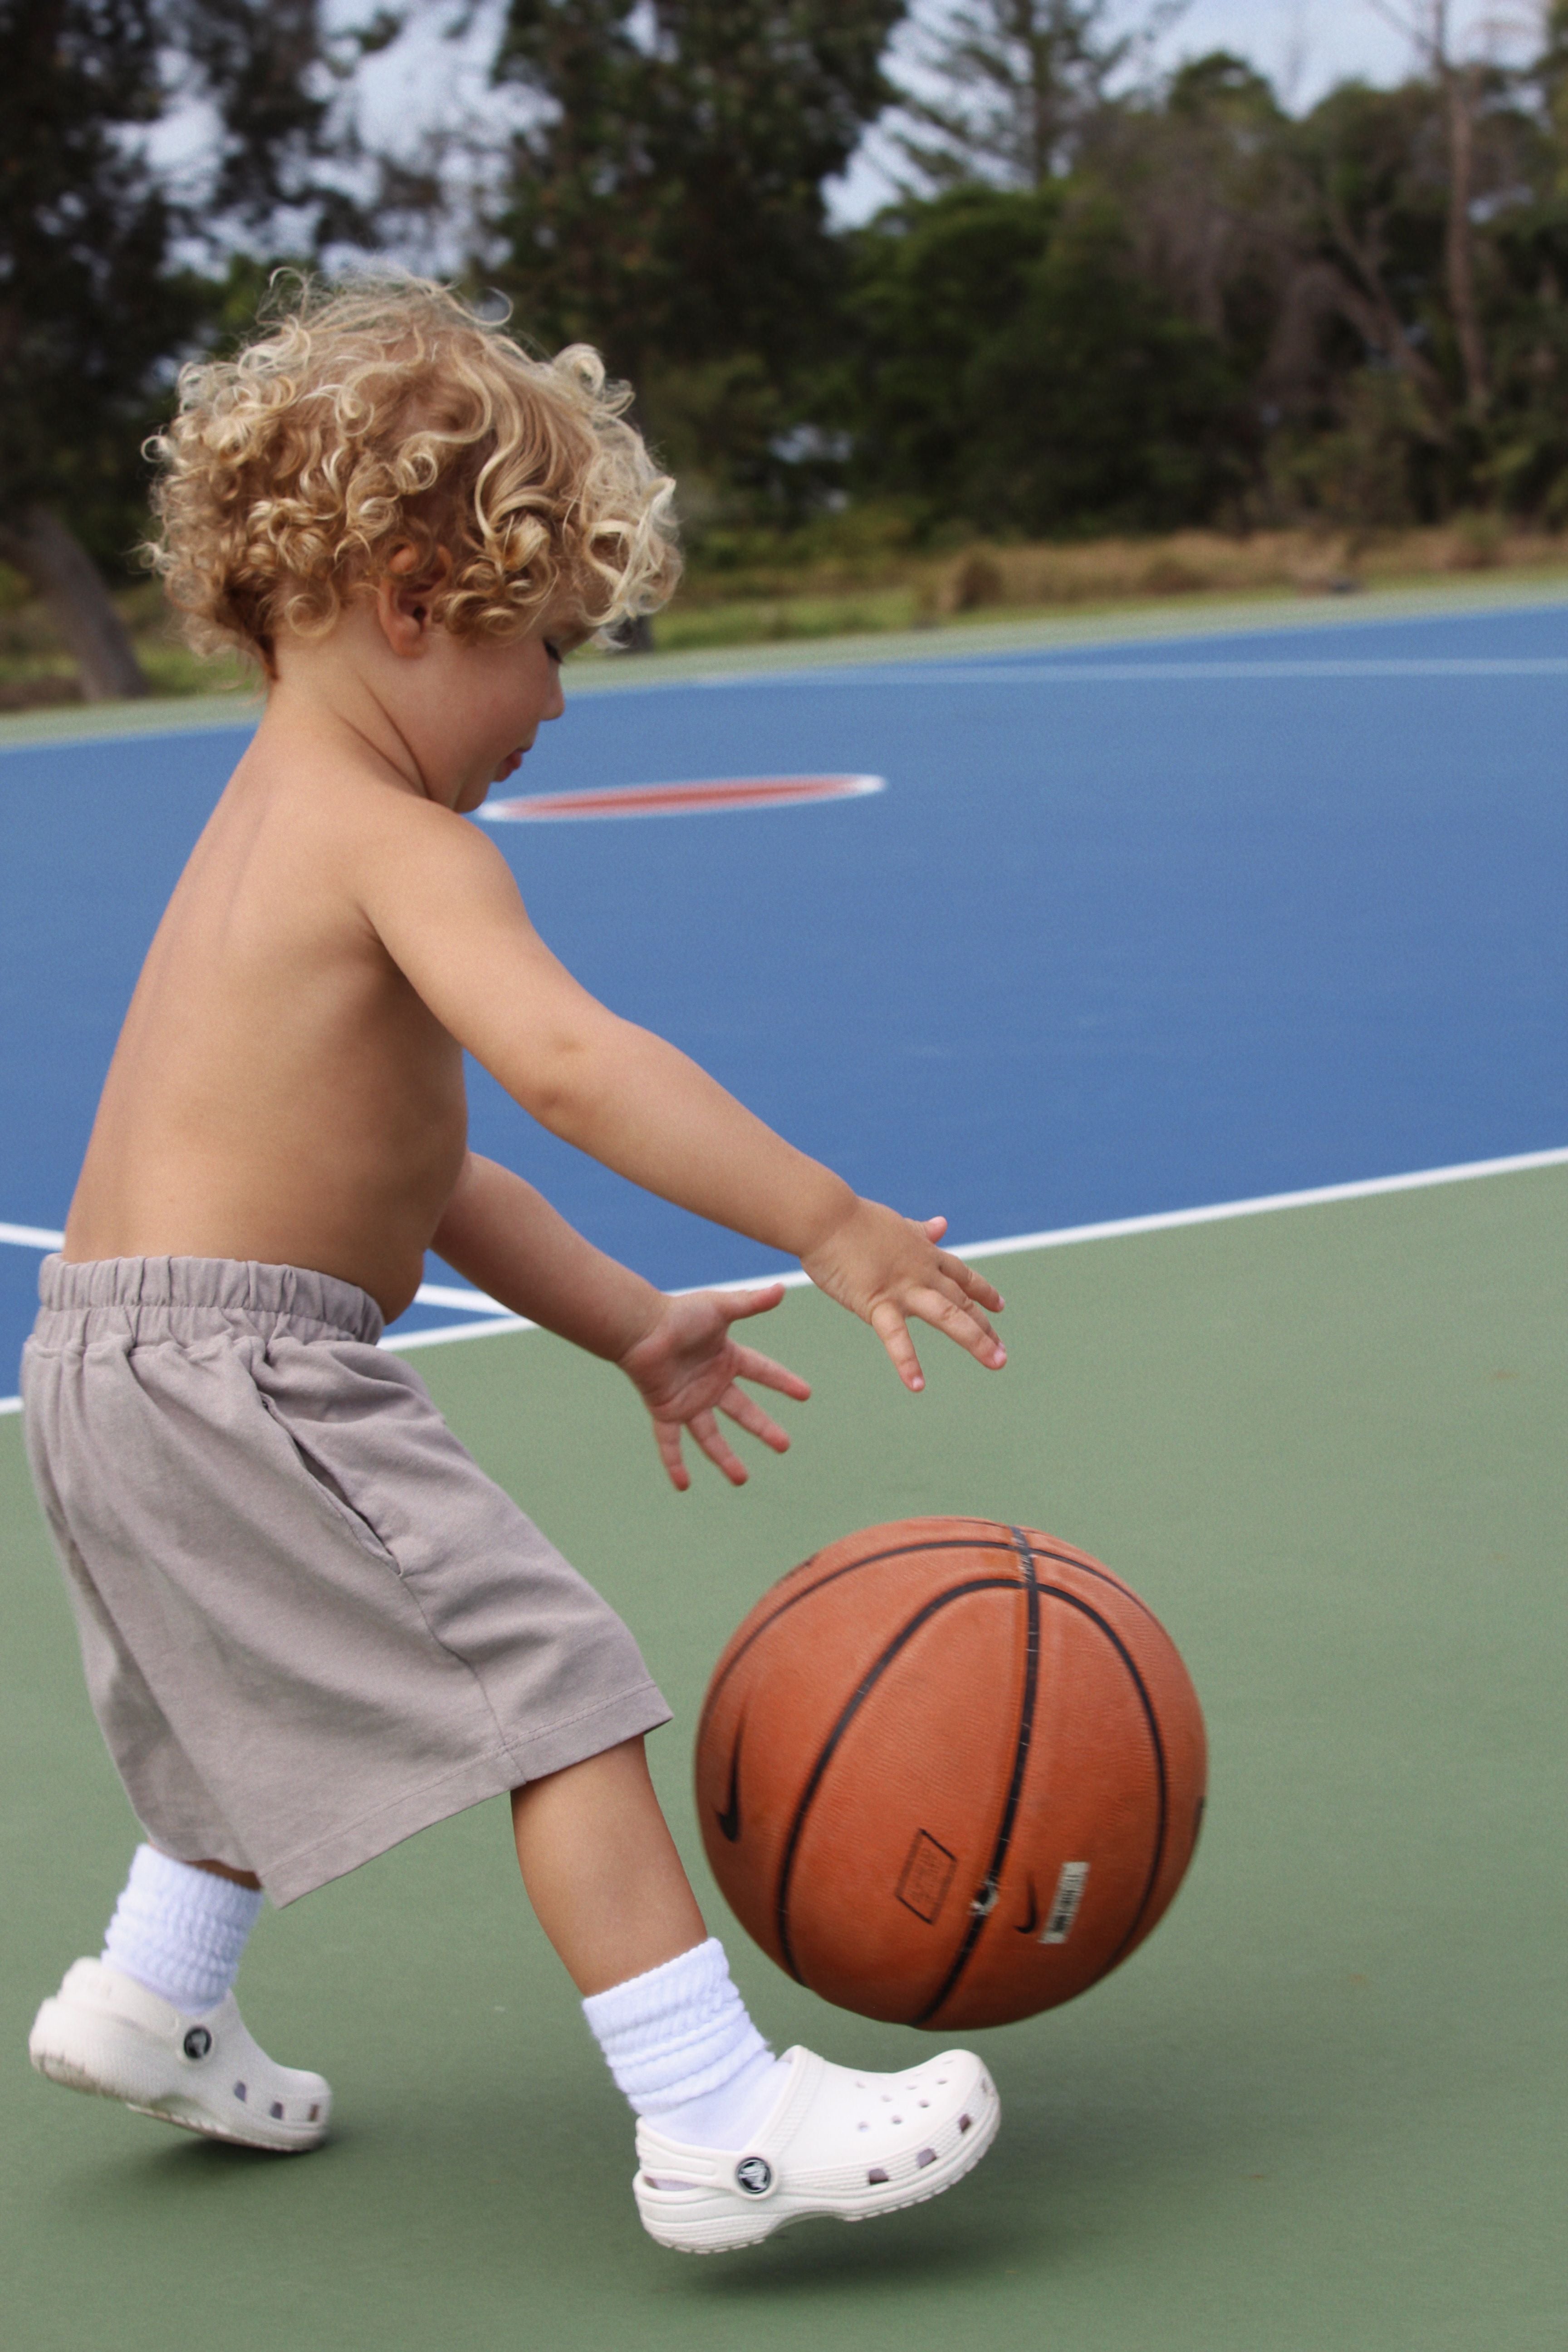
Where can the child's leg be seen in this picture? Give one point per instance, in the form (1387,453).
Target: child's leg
(604,1876)
(234,1877)
(154,2022)
(731,2142)
(602,1871)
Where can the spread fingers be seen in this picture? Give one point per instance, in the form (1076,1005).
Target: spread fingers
(744,1410)
(718,1448)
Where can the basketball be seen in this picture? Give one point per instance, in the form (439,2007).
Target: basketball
(950,1773)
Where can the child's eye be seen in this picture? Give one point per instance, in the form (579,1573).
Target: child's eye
(554,651)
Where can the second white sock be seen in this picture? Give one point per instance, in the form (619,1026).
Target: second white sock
(682,2047)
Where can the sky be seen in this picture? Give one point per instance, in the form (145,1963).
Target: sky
(1303,45)
(425,81)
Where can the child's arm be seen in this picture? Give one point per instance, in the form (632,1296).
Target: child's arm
(516,1248)
(446,906)
(677,1353)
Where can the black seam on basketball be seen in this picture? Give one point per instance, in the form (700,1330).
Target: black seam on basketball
(852,1706)
(1151,1719)
(872,1560)
(727,1816)
(1090,1568)
(911,1551)
(991,1882)
(1162,1824)
(1055,1592)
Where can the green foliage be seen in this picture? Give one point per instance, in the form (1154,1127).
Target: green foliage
(669,200)
(97,300)
(90,308)
(1110,304)
(1020,82)
(1015,369)
(1524,465)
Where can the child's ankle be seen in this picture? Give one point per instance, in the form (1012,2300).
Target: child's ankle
(681,2045)
(180,1930)
(733,2114)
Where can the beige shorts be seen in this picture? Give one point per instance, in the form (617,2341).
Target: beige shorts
(310,1624)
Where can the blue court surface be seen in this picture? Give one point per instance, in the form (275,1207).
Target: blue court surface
(1133,927)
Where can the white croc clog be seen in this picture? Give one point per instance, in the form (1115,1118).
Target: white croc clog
(104,2032)
(836,2143)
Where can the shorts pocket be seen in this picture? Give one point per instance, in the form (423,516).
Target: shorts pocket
(328,1488)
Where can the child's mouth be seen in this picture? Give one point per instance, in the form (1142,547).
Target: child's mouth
(509,766)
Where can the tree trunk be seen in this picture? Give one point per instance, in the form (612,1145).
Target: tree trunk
(1461,244)
(634,635)
(59,570)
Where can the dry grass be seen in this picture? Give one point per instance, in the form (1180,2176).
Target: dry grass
(1056,578)
(36,670)
(878,589)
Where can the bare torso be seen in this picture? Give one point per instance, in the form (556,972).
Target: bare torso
(279,1092)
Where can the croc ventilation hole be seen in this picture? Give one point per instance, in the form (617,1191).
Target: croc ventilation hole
(875,2177)
(239,2093)
(965,2122)
(927,2156)
(275,2111)
(315,2114)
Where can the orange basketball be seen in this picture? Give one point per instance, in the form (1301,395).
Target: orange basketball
(950,1773)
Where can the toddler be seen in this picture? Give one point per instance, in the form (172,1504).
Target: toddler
(311,1625)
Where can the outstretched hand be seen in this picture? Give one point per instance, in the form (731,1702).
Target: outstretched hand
(887,1268)
(686,1369)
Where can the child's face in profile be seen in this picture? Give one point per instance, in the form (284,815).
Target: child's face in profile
(482,702)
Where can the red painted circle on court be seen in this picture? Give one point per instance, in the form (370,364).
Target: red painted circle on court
(678,800)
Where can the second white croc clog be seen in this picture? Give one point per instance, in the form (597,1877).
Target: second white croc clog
(104,2032)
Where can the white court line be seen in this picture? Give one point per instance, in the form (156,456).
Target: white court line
(486,1324)
(429,1293)
(447,1293)
(998,670)
(1064,1236)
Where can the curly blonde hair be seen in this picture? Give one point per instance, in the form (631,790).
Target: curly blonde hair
(380,426)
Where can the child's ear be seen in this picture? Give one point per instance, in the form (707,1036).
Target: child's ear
(402,600)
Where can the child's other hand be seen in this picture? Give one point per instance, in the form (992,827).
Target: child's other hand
(685,1369)
(885,1268)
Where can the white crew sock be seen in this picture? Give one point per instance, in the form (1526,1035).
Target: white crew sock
(180,1931)
(681,2045)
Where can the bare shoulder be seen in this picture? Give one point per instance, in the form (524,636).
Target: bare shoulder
(387,848)
(402,839)
(438,893)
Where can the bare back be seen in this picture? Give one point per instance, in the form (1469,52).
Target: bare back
(280,1091)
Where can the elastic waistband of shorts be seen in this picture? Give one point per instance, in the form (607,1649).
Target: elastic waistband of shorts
(182,1297)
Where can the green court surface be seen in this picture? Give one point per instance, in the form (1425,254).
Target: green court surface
(1321,2110)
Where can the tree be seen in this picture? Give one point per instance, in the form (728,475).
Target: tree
(1015,369)
(668,202)
(1020,83)
(1461,87)
(88,307)
(96,303)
